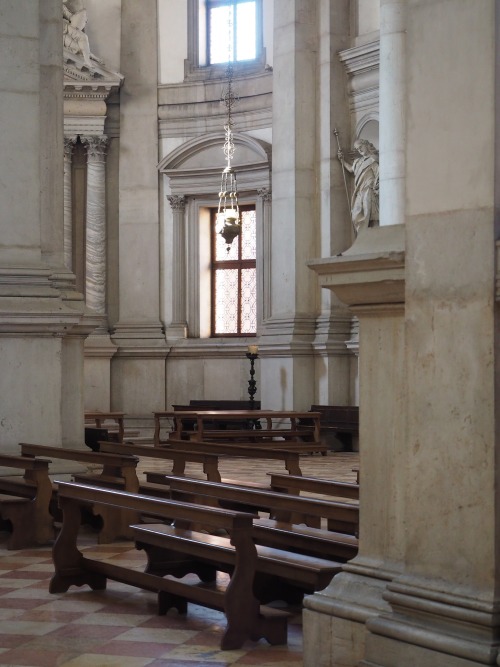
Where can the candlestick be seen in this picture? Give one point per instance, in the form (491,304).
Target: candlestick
(252,384)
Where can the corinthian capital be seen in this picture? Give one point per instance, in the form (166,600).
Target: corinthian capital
(69,143)
(96,147)
(177,202)
(265,194)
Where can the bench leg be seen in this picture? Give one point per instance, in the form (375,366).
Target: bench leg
(68,560)
(20,519)
(272,626)
(168,601)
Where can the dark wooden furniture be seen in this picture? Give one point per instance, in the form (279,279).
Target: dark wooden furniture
(339,517)
(297,484)
(177,551)
(178,458)
(277,534)
(340,421)
(281,428)
(25,501)
(102,420)
(111,467)
(291,459)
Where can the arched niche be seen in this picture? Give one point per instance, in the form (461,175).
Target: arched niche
(368,128)
(195,167)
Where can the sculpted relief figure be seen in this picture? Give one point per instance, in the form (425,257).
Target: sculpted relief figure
(74,38)
(365,197)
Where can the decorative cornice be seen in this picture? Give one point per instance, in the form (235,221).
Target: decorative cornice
(370,275)
(361,59)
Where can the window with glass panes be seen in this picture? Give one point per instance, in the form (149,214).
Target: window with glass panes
(234,278)
(232,30)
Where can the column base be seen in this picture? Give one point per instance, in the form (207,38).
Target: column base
(334,620)
(431,627)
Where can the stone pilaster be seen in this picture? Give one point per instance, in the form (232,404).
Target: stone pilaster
(178,327)
(42,320)
(264,240)
(288,332)
(138,369)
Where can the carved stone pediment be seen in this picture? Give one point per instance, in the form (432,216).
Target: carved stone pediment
(85,96)
(88,83)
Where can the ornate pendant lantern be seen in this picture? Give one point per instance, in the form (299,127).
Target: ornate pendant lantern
(228,213)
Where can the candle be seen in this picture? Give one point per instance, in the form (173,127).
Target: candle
(253,349)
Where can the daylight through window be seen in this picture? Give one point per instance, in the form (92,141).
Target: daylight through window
(234,279)
(232,30)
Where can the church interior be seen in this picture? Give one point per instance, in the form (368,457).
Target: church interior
(289,205)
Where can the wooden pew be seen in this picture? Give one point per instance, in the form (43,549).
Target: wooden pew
(182,551)
(341,421)
(290,459)
(101,420)
(25,501)
(340,517)
(326,487)
(113,467)
(287,535)
(179,458)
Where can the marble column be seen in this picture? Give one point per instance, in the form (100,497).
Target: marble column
(178,327)
(69,143)
(95,247)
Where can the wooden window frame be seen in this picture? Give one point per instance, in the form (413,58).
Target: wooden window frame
(238,264)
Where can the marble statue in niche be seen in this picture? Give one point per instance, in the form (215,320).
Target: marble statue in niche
(365,197)
(75,39)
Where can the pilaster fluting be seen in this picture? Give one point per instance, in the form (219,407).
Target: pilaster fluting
(264,239)
(178,326)
(95,251)
(69,143)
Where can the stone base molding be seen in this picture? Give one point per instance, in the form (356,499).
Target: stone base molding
(443,627)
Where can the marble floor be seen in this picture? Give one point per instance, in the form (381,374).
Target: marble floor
(119,626)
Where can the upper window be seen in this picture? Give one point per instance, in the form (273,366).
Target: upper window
(234,279)
(222,31)
(231,31)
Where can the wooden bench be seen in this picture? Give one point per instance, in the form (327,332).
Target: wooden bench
(341,421)
(280,534)
(173,550)
(340,517)
(204,404)
(289,458)
(101,420)
(326,487)
(25,501)
(179,458)
(279,425)
(111,466)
